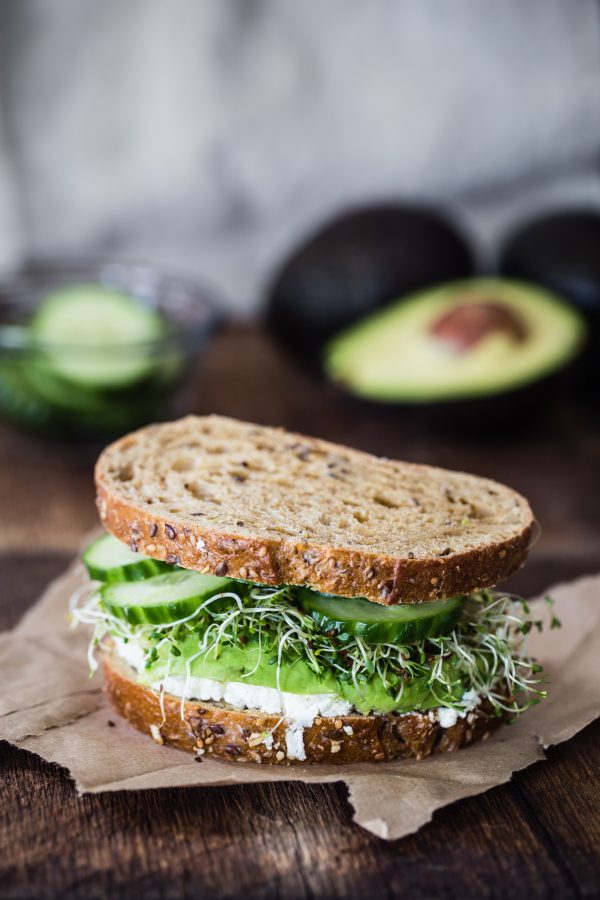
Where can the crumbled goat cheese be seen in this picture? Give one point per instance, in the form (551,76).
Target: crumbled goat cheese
(294,741)
(448,717)
(131,651)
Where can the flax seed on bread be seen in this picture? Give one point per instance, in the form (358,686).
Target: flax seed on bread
(226,497)
(221,731)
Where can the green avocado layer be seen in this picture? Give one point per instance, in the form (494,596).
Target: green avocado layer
(234,664)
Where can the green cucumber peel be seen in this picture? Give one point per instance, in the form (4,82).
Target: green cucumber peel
(403,623)
(108,559)
(163,599)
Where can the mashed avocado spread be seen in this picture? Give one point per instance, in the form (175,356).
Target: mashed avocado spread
(247,664)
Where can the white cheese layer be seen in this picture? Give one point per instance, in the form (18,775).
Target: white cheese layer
(300,710)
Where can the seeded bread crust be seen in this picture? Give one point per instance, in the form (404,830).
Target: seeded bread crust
(228,498)
(221,731)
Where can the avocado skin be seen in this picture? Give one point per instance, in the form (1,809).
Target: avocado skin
(561,251)
(356,263)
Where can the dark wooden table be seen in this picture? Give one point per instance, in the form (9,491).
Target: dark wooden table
(539,836)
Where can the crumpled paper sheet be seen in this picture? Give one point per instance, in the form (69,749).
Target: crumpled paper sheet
(50,706)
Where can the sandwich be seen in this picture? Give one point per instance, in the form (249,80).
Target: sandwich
(264,596)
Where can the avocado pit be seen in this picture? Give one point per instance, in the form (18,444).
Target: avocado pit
(468,323)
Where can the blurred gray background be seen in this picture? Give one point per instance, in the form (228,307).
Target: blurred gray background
(210,134)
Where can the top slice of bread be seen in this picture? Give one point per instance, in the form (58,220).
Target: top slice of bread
(230,498)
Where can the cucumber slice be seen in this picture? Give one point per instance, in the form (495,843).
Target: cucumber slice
(99,335)
(162,599)
(404,623)
(108,559)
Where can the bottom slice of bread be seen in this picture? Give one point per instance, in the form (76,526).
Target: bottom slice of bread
(219,730)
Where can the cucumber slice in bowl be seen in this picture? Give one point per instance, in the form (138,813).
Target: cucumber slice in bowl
(376,624)
(108,559)
(162,599)
(96,337)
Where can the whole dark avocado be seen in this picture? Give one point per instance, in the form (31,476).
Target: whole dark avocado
(560,251)
(356,263)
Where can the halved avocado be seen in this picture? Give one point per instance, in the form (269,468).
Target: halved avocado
(463,340)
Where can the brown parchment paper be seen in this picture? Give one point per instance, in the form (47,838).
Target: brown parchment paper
(49,705)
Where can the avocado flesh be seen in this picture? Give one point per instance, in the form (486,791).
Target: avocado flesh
(393,356)
(234,664)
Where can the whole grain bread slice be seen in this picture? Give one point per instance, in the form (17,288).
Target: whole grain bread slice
(231,498)
(221,731)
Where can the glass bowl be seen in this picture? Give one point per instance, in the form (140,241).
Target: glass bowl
(40,395)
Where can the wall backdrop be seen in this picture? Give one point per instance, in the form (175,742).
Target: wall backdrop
(210,134)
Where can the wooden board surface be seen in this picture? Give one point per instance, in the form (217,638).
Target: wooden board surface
(536,837)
